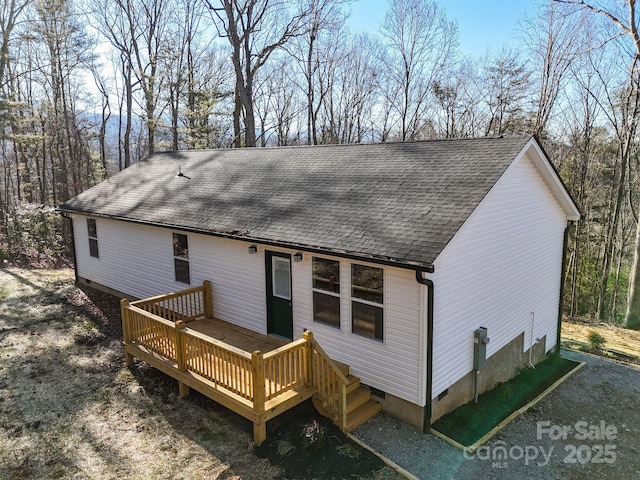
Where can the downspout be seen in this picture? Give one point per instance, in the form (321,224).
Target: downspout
(428,407)
(565,249)
(73,246)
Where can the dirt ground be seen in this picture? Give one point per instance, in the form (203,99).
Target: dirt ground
(620,343)
(69,408)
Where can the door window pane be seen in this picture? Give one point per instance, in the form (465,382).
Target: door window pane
(281,277)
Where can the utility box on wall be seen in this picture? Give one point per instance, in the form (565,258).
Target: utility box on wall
(480,341)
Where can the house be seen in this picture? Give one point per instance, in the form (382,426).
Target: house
(396,256)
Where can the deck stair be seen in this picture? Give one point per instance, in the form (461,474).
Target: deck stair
(360,406)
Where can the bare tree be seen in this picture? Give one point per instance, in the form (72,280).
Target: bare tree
(554,45)
(506,84)
(624,118)
(254,29)
(420,42)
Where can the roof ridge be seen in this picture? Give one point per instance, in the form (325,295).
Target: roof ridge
(342,145)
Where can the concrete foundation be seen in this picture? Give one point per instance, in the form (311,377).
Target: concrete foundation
(500,367)
(401,409)
(83,282)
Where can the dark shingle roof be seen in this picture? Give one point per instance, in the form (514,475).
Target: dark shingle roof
(395,201)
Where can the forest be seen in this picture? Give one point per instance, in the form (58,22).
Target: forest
(89,87)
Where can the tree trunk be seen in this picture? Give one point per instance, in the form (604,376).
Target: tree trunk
(632,318)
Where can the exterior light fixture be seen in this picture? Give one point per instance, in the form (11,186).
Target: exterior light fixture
(297,257)
(253,249)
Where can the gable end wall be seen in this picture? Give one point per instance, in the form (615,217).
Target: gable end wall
(501,271)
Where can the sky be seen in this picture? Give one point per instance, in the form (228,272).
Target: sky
(482,24)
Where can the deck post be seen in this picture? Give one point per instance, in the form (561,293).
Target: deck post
(258,374)
(181,359)
(259,433)
(259,394)
(208,300)
(126,336)
(308,351)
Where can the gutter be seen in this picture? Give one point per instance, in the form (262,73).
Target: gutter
(73,245)
(426,425)
(565,249)
(381,260)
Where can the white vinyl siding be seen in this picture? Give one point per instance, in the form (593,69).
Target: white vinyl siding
(500,271)
(138,260)
(393,365)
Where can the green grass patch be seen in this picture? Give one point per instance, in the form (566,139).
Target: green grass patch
(469,423)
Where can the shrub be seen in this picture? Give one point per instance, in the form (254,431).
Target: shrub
(33,235)
(596,341)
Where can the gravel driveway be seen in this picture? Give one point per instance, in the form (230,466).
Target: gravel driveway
(589,427)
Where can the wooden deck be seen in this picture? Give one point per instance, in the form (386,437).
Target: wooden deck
(257,376)
(237,336)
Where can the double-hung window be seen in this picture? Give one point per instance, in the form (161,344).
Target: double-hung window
(92,230)
(367,301)
(326,291)
(181,258)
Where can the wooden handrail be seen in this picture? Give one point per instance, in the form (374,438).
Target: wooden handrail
(332,390)
(152,316)
(341,376)
(166,296)
(190,304)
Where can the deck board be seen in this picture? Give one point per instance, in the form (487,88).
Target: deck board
(239,337)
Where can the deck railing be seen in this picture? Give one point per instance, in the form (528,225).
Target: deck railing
(149,331)
(224,365)
(186,305)
(328,380)
(286,368)
(257,380)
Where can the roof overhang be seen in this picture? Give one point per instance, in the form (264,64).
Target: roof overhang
(363,257)
(551,177)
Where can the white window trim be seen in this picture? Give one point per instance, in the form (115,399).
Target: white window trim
(183,259)
(90,237)
(327,292)
(368,302)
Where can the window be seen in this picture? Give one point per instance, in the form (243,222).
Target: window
(181,258)
(367,301)
(281,269)
(326,291)
(92,230)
